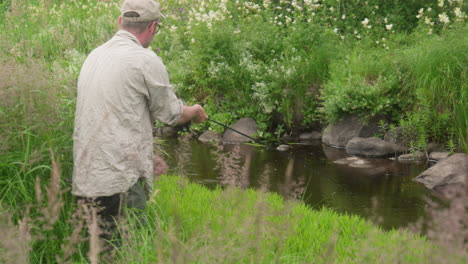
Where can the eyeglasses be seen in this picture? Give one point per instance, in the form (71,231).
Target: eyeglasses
(157,27)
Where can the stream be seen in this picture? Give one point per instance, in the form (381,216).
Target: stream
(382,191)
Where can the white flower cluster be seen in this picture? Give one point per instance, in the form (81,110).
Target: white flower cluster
(208,11)
(262,95)
(365,23)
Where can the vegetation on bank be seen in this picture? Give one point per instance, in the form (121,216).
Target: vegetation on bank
(290,65)
(188,223)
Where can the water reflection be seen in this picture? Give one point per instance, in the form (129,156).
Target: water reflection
(381,191)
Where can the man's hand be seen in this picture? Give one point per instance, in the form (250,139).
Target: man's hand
(194,113)
(201,115)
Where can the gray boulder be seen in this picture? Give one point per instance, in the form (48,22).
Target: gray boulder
(210,137)
(310,136)
(247,126)
(340,133)
(452,170)
(437,156)
(369,147)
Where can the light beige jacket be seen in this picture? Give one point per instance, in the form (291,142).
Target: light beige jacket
(122,89)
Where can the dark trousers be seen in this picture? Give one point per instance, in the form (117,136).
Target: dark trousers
(111,208)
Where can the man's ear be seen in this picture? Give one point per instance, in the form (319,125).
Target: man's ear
(120,20)
(153,26)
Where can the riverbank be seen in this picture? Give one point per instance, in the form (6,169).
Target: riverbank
(192,224)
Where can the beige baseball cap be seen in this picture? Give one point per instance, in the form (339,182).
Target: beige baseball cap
(140,10)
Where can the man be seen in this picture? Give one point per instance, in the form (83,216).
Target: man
(122,88)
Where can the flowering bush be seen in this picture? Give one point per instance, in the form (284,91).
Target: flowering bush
(264,59)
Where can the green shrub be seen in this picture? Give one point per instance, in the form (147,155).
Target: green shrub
(366,83)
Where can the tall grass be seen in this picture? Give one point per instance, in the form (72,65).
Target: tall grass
(249,64)
(436,73)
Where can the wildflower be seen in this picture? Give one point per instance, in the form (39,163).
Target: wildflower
(335,30)
(342,37)
(441,3)
(458,12)
(365,22)
(427,21)
(444,18)
(389,27)
(343,17)
(192,40)
(420,13)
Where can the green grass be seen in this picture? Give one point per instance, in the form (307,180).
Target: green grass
(245,66)
(192,224)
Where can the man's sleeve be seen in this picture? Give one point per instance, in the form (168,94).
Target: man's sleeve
(163,103)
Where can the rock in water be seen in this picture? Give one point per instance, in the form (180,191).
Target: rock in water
(369,147)
(283,147)
(452,170)
(338,134)
(247,126)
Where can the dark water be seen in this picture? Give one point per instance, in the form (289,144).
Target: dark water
(383,193)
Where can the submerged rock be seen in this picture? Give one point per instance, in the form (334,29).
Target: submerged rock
(340,133)
(412,157)
(247,126)
(354,162)
(210,137)
(283,147)
(369,147)
(452,170)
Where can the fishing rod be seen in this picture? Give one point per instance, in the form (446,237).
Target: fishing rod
(230,128)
